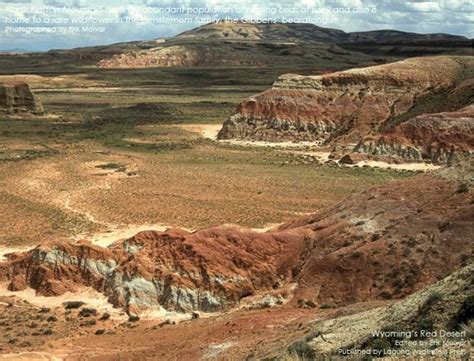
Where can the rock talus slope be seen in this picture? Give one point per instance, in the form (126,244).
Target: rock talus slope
(381,244)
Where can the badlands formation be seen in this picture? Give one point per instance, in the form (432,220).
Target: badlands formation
(382,109)
(389,242)
(436,137)
(398,256)
(394,256)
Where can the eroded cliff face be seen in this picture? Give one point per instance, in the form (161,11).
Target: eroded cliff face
(209,270)
(439,138)
(189,53)
(159,57)
(344,106)
(384,243)
(182,55)
(17,97)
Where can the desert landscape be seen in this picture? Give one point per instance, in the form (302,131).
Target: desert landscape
(239,192)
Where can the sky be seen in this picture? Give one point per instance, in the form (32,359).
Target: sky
(38,25)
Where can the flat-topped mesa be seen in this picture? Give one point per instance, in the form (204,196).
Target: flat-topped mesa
(17,97)
(439,138)
(341,106)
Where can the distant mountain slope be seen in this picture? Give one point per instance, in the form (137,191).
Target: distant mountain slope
(192,52)
(264,32)
(229,43)
(308,33)
(244,44)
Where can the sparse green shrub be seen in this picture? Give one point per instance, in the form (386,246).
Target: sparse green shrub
(356,254)
(133,318)
(304,303)
(89,323)
(375,237)
(302,350)
(434,298)
(463,188)
(72,304)
(113,166)
(385,295)
(381,345)
(325,306)
(25,344)
(88,312)
(424,319)
(105,316)
(465,313)
(52,319)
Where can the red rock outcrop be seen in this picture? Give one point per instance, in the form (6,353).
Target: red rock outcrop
(208,270)
(17,97)
(439,138)
(384,243)
(344,106)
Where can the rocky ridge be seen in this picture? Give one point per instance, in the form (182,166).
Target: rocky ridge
(246,44)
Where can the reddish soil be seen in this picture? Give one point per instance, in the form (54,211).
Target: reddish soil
(380,244)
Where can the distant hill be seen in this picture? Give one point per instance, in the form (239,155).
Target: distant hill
(229,43)
(312,33)
(261,45)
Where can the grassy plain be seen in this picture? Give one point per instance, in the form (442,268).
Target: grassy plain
(110,153)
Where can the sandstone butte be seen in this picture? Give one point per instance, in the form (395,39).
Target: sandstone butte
(17,97)
(383,243)
(382,110)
